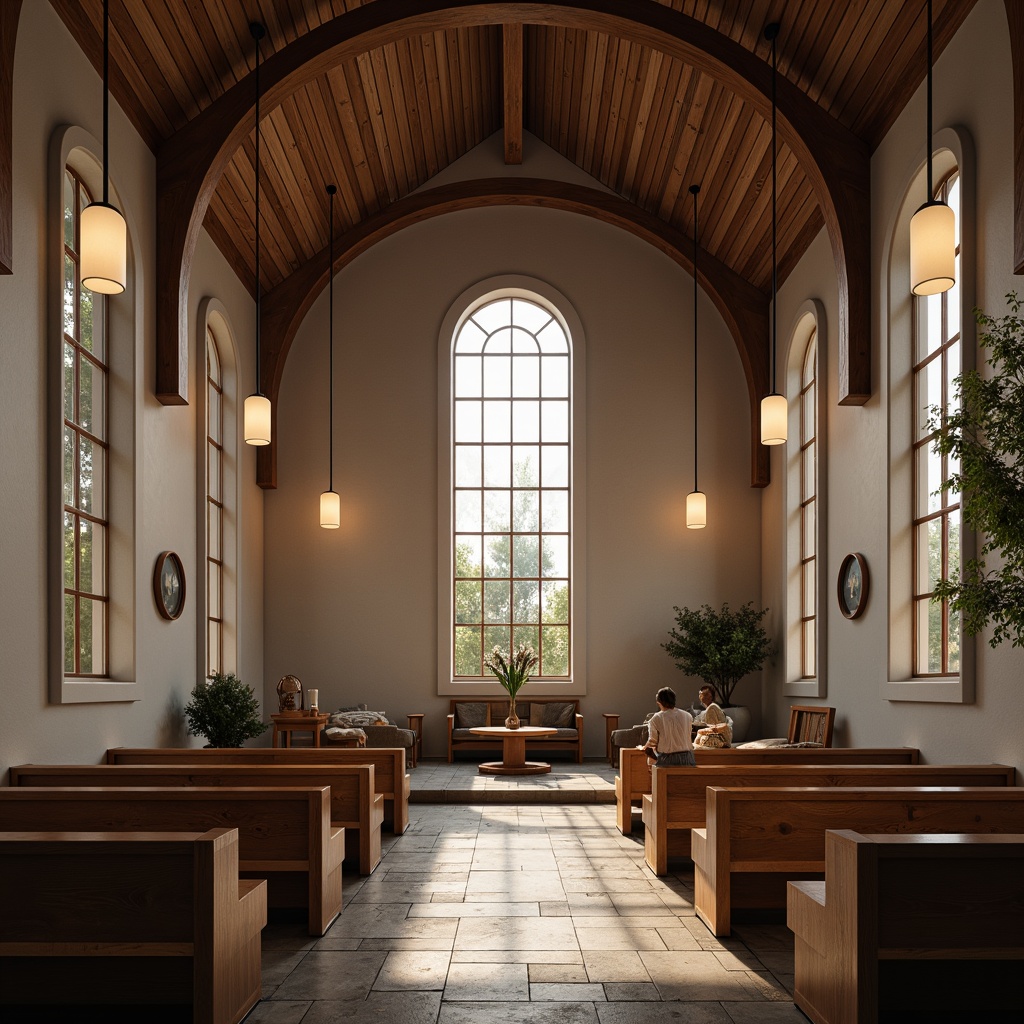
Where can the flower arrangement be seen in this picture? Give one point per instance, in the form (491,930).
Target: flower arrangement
(512,670)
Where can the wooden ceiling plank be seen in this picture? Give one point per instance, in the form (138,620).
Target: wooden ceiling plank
(467,88)
(376,194)
(512,91)
(623,116)
(220,227)
(611,101)
(403,116)
(476,77)
(670,93)
(582,71)
(640,125)
(568,76)
(179,34)
(437,96)
(342,141)
(401,159)
(451,46)
(233,215)
(414,96)
(689,110)
(593,123)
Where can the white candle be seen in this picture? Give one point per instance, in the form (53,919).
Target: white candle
(314,699)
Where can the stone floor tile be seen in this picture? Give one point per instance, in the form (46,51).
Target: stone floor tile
(764,1013)
(549,908)
(566,993)
(406,892)
(557,973)
(385,928)
(539,885)
(515,933)
(677,937)
(519,1013)
(413,971)
(487,981)
(497,909)
(449,878)
(739,960)
(767,986)
(397,942)
(614,965)
(662,1013)
(287,936)
(535,841)
(631,992)
(332,975)
(275,966)
(407,1007)
(639,904)
(447,897)
(695,976)
(513,860)
(605,883)
(279,1012)
(517,956)
(611,934)
(777,961)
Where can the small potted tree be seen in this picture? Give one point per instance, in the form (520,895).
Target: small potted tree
(721,647)
(225,711)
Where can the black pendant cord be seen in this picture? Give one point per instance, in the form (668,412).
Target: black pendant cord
(331,190)
(106,102)
(258,32)
(694,189)
(775,198)
(928,146)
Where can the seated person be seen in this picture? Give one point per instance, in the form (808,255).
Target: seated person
(669,727)
(716,731)
(705,696)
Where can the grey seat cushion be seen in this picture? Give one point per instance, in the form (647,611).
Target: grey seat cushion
(470,715)
(389,736)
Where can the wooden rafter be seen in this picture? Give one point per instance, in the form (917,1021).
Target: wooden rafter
(512,47)
(743,307)
(9,11)
(835,161)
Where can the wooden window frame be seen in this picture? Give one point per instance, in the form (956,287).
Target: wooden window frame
(215,566)
(808,507)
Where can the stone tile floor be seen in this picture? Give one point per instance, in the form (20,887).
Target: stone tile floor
(462,782)
(522,914)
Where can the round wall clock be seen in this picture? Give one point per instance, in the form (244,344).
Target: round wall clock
(852,586)
(169,585)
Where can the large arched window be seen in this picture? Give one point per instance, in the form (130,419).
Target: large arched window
(808,511)
(511,487)
(214,508)
(936,520)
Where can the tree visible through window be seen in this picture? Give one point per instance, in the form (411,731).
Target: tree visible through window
(937,361)
(512,473)
(84,471)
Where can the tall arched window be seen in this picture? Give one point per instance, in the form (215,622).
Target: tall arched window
(936,518)
(85,469)
(214,508)
(512,486)
(808,511)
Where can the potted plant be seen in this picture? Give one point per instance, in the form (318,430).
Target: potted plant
(721,647)
(513,672)
(225,711)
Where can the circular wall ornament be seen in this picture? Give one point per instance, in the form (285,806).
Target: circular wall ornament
(169,585)
(852,585)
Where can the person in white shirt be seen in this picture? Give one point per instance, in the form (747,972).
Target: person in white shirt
(670,728)
(705,696)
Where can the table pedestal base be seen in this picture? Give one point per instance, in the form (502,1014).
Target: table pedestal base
(526,768)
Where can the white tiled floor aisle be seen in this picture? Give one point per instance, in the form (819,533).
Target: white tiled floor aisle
(528,914)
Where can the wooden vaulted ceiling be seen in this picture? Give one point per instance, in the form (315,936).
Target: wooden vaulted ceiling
(643,123)
(647,96)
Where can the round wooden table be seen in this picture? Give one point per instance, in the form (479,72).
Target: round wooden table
(513,753)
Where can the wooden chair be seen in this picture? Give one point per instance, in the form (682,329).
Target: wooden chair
(811,724)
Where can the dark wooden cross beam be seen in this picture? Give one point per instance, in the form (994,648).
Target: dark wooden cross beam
(512,44)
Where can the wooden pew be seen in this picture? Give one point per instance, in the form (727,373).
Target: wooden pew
(918,927)
(284,834)
(634,778)
(390,778)
(144,918)
(354,805)
(757,839)
(677,802)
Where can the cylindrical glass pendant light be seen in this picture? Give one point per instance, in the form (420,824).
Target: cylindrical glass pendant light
(696,500)
(774,407)
(933,227)
(330,500)
(257,418)
(103,242)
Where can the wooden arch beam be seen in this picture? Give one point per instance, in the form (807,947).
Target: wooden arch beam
(743,307)
(836,162)
(512,91)
(9,11)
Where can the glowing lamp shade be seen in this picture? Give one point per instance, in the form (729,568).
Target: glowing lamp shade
(932,249)
(330,510)
(774,419)
(104,245)
(257,420)
(696,510)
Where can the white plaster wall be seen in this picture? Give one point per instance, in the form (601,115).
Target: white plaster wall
(353,612)
(990,728)
(31,729)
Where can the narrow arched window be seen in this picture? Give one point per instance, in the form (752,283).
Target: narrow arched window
(85,459)
(512,458)
(936,518)
(808,510)
(214,507)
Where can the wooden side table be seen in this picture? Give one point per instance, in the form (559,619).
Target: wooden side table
(285,725)
(513,750)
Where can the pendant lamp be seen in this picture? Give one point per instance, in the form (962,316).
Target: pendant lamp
(774,407)
(696,500)
(257,406)
(104,235)
(933,227)
(330,501)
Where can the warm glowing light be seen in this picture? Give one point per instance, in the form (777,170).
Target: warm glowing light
(104,249)
(932,249)
(774,419)
(696,510)
(257,420)
(330,510)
